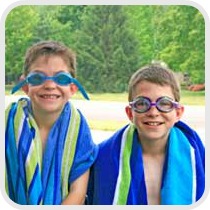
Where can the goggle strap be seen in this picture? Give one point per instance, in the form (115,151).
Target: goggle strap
(76,82)
(18,86)
(81,89)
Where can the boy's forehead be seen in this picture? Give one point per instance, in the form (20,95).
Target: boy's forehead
(50,62)
(148,89)
(144,84)
(46,59)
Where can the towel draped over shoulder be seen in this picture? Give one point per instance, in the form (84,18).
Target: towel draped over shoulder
(38,177)
(117,176)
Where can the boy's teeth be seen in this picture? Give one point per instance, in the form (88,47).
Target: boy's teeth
(49,96)
(153,123)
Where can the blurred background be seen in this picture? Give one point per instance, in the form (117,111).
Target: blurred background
(112,42)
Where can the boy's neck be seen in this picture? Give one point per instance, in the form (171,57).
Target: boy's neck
(45,123)
(153,148)
(45,120)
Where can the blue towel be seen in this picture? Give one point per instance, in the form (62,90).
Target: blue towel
(117,176)
(38,177)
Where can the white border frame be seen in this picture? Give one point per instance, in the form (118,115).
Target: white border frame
(6,6)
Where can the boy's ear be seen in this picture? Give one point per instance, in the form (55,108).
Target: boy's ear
(129,113)
(25,87)
(73,88)
(179,112)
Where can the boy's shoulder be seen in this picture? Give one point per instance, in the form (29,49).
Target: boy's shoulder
(112,143)
(192,136)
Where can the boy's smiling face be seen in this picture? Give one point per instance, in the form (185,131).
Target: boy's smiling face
(153,124)
(49,97)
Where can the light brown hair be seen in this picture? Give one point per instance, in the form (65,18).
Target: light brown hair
(154,73)
(50,48)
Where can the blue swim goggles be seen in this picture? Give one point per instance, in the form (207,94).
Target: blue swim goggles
(61,78)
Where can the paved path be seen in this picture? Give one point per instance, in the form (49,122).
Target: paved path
(100,110)
(193,115)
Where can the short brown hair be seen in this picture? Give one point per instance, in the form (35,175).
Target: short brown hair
(49,48)
(154,73)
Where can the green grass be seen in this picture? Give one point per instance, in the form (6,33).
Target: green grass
(120,97)
(8,89)
(187,98)
(193,98)
(106,125)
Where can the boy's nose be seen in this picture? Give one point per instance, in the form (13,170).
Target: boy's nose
(153,110)
(49,83)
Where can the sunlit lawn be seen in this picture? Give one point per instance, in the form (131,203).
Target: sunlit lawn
(193,98)
(187,98)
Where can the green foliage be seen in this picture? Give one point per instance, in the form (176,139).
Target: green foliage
(107,49)
(19,27)
(111,42)
(173,34)
(50,26)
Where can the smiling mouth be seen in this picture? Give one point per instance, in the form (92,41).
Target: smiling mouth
(49,96)
(153,123)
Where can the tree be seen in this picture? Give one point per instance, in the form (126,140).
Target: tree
(50,27)
(19,25)
(107,49)
(182,35)
(111,42)
(142,23)
(172,34)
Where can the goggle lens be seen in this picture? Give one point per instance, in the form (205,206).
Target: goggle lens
(163,104)
(35,79)
(142,104)
(61,78)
